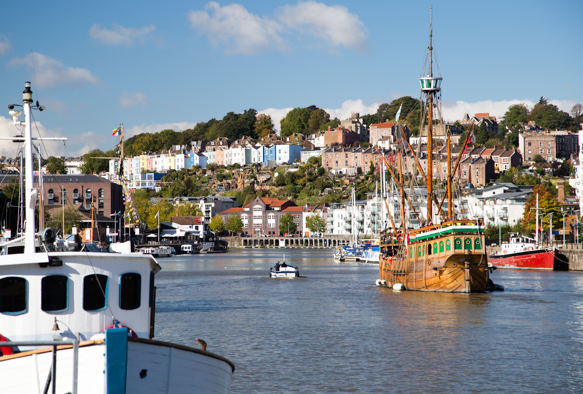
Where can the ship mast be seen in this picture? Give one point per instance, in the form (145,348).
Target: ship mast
(430,88)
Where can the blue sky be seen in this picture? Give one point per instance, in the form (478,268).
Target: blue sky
(153,65)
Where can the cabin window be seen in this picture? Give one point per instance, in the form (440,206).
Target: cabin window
(458,243)
(12,295)
(448,245)
(477,244)
(94,292)
(54,293)
(468,244)
(152,290)
(435,248)
(440,246)
(130,291)
(411,252)
(419,251)
(428,249)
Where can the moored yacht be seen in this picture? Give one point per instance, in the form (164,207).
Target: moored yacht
(83,322)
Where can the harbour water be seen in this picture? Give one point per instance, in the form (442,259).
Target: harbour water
(334,331)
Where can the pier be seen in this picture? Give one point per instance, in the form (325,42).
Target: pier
(328,241)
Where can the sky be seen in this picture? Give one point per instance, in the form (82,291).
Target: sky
(155,65)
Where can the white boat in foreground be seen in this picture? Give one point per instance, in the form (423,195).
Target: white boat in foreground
(284,271)
(83,322)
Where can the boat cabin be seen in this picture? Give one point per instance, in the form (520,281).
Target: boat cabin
(82,292)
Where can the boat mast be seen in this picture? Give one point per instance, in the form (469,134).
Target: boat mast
(536,228)
(31,192)
(449,190)
(403,224)
(430,87)
(29,204)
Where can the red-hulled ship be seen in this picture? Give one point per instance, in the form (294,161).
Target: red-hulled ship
(524,253)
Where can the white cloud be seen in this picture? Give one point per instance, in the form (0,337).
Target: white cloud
(132,99)
(156,127)
(119,35)
(236,29)
(50,72)
(452,111)
(276,115)
(240,31)
(4,45)
(333,24)
(10,149)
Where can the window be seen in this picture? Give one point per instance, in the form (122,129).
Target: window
(12,295)
(101,193)
(54,295)
(548,144)
(130,289)
(540,144)
(529,151)
(94,291)
(548,151)
(529,144)
(540,151)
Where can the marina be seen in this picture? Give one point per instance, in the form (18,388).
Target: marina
(344,334)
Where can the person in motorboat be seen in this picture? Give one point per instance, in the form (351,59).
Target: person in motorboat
(277,266)
(283,264)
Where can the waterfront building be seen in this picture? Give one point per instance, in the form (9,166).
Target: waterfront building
(261,216)
(198,159)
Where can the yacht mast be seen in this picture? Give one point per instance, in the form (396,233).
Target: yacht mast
(430,88)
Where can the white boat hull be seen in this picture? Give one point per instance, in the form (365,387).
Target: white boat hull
(151,367)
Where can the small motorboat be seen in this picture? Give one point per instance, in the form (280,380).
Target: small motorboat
(284,270)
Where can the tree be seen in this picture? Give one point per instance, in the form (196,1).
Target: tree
(547,204)
(94,166)
(550,117)
(217,224)
(296,121)
(316,223)
(482,134)
(287,225)
(318,118)
(517,113)
(538,159)
(234,224)
(263,126)
(56,165)
(576,112)
(72,219)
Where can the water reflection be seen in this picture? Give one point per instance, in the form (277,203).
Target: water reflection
(335,331)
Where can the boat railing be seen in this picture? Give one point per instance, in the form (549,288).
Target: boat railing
(52,378)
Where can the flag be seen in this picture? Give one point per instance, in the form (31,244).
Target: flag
(117,131)
(157,214)
(399,113)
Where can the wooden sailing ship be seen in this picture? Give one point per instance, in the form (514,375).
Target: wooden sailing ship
(445,255)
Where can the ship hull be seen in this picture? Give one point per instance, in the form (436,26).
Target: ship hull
(541,259)
(447,259)
(458,273)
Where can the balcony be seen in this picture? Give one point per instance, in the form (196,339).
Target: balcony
(50,196)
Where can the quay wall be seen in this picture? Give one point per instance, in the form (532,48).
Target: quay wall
(330,241)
